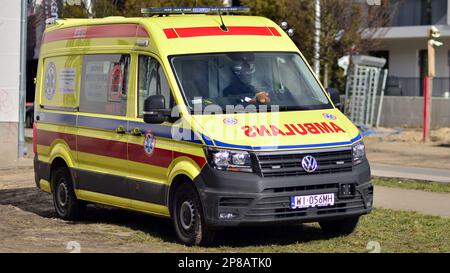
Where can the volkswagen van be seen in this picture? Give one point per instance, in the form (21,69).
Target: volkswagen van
(211,120)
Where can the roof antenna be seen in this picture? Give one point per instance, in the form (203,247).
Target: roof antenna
(222,26)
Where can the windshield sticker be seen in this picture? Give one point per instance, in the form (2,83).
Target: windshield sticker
(116,81)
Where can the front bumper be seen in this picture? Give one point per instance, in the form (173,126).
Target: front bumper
(257,200)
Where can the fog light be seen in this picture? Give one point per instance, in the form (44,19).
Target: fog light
(227,215)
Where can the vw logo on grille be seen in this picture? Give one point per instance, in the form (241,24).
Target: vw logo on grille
(309,164)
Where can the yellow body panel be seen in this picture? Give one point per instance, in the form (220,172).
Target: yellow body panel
(124,203)
(44,185)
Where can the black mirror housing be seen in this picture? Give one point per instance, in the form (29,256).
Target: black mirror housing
(335,96)
(154,109)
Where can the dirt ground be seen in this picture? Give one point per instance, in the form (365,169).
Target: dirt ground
(27,218)
(406,148)
(28,222)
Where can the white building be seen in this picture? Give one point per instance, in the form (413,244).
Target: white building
(9,79)
(405,43)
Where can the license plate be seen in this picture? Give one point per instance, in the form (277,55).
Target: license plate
(306,201)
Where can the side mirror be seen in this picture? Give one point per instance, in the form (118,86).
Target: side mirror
(154,109)
(335,96)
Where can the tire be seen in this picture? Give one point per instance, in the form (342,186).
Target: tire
(67,206)
(188,217)
(340,227)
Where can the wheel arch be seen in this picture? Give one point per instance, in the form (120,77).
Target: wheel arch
(177,181)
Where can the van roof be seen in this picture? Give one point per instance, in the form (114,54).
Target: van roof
(184,34)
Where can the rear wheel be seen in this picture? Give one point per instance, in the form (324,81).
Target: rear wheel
(188,217)
(341,226)
(67,206)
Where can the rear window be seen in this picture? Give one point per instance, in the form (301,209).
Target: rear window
(61,81)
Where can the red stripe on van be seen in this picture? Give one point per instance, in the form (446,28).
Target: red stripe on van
(115,149)
(46,138)
(275,31)
(170,33)
(35,138)
(216,31)
(103,147)
(100,31)
(159,157)
(201,161)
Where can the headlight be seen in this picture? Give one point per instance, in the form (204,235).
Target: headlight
(238,161)
(359,152)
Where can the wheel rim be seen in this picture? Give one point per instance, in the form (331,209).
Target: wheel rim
(62,195)
(187,215)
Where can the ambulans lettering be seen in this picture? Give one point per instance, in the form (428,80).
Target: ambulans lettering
(292,129)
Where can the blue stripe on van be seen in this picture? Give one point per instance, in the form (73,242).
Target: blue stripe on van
(165,131)
(112,124)
(319,145)
(66,119)
(158,130)
(207,140)
(100,123)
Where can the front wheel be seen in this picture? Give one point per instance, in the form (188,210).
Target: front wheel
(188,217)
(340,227)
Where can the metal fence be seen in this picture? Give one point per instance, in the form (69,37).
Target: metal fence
(399,86)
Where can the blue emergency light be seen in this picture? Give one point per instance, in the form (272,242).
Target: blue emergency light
(193,10)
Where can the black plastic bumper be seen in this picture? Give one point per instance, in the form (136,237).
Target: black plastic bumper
(253,200)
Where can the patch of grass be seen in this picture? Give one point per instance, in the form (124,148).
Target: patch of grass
(412,184)
(394,231)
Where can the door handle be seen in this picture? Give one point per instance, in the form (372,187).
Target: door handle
(121,130)
(136,132)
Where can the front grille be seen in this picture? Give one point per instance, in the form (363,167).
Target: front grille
(234,202)
(303,188)
(290,164)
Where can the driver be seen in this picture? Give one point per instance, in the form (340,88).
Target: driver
(242,68)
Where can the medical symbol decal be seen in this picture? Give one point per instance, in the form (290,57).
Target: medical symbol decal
(149,143)
(230,121)
(329,116)
(50,81)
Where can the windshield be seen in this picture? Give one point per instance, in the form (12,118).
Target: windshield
(278,80)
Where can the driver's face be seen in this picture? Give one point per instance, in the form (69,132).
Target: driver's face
(244,71)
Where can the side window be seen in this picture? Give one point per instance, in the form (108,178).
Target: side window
(61,81)
(105,84)
(152,81)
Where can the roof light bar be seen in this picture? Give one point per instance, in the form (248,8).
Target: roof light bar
(194,10)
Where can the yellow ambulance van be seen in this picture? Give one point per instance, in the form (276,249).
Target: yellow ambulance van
(211,120)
